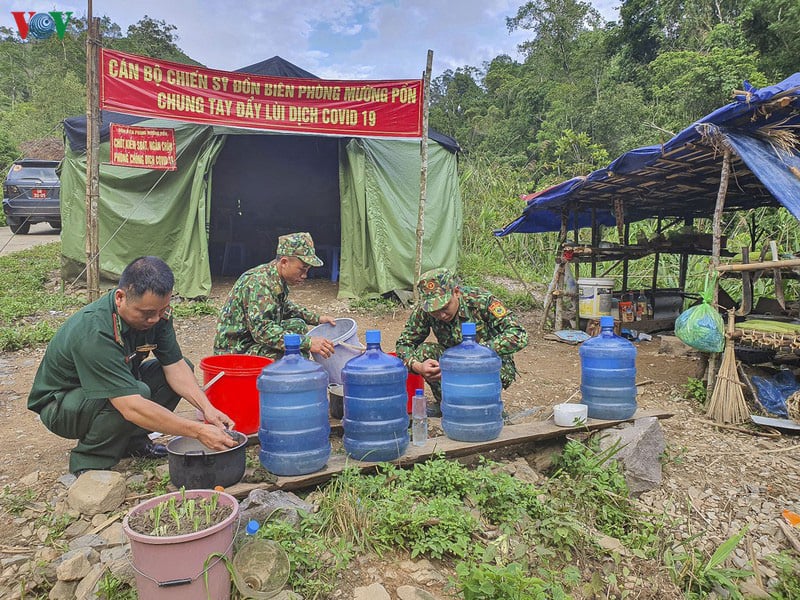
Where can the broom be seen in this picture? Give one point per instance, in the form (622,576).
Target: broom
(727,403)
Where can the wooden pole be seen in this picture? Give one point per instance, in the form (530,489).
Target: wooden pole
(717,223)
(92,158)
(423,173)
(713,359)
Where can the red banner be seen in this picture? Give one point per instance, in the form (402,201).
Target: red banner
(143,147)
(153,88)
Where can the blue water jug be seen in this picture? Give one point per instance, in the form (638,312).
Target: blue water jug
(375,418)
(295,431)
(608,374)
(472,410)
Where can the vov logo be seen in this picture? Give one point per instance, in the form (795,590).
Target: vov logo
(42,25)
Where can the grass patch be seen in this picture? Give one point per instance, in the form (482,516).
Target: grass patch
(32,306)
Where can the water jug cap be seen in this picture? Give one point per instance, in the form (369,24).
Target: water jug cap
(468,328)
(606,321)
(419,392)
(252,527)
(291,340)
(373,336)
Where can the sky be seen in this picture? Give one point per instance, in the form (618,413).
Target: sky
(334,39)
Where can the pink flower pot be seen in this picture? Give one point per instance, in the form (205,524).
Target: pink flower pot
(172,567)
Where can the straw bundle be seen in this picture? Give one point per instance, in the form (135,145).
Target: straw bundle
(727,403)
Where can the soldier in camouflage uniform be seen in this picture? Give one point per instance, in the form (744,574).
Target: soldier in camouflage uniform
(258,312)
(443,306)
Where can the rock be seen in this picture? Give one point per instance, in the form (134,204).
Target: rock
(91,540)
(114,535)
(641,447)
(260,504)
(76,564)
(67,479)
(110,555)
(87,588)
(371,592)
(99,519)
(750,589)
(76,528)
(672,346)
(520,469)
(29,479)
(409,592)
(63,590)
(123,570)
(13,561)
(162,471)
(97,492)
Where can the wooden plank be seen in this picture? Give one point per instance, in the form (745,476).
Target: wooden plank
(511,435)
(758,266)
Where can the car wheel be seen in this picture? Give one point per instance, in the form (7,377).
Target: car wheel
(21,226)
(55,225)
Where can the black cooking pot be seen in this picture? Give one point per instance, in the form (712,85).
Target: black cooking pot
(194,466)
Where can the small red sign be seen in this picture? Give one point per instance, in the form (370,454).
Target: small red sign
(143,147)
(37,193)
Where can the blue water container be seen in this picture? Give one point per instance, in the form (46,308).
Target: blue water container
(375,418)
(294,430)
(608,374)
(472,410)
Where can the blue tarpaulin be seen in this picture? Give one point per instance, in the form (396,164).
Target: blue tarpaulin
(681,177)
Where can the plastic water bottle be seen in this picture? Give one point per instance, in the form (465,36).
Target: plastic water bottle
(419,419)
(472,410)
(248,533)
(375,416)
(295,430)
(608,374)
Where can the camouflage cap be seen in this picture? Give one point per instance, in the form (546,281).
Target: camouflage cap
(435,289)
(300,245)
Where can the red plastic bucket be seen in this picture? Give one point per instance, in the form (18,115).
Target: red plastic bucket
(414,382)
(235,393)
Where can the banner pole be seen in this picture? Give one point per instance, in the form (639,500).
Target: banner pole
(92,157)
(423,175)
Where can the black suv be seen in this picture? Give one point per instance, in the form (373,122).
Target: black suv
(31,194)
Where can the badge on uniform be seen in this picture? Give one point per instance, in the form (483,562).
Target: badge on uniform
(497,309)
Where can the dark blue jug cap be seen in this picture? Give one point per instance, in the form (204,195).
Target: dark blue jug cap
(419,392)
(373,336)
(291,340)
(468,328)
(606,321)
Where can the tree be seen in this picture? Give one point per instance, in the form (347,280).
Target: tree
(773,26)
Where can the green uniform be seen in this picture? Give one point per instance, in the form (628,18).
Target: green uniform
(258,313)
(95,356)
(496,329)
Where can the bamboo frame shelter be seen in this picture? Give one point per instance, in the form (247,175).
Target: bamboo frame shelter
(743,155)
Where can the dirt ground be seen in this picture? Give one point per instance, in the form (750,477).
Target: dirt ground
(717,480)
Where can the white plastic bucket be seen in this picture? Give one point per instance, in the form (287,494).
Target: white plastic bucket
(595,297)
(344,332)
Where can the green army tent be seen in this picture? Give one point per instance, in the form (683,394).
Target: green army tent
(235,191)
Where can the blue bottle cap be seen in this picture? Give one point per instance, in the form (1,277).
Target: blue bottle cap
(419,392)
(606,321)
(468,328)
(252,527)
(291,341)
(373,336)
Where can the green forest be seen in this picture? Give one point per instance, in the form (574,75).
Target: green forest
(586,91)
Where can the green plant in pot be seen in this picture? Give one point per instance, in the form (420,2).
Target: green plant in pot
(173,535)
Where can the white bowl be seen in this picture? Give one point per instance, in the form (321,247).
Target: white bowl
(570,415)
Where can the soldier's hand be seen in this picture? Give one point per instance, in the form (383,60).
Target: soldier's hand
(327,319)
(215,438)
(429,369)
(322,346)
